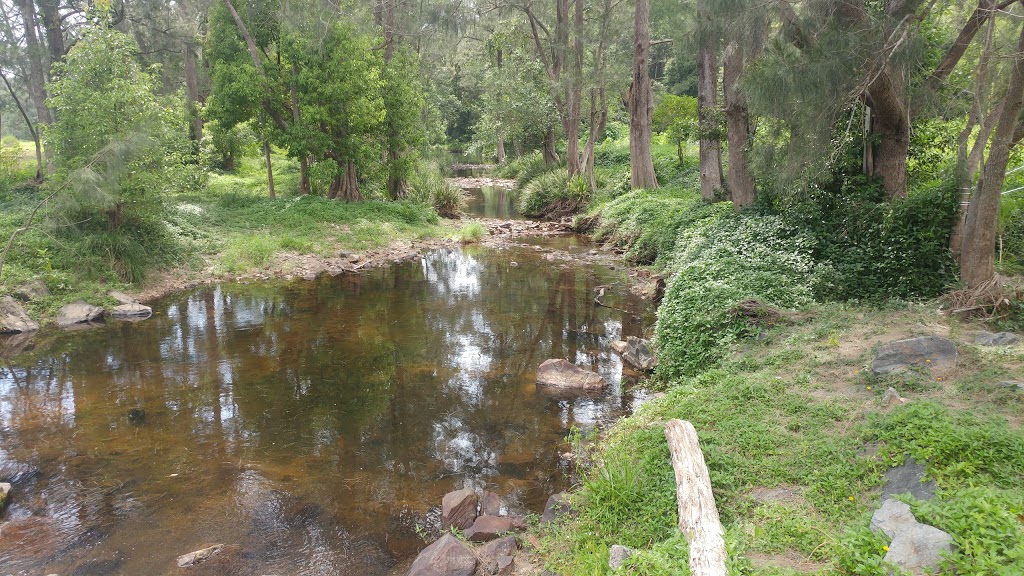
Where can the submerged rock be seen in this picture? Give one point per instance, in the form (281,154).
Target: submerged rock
(458,509)
(562,374)
(13,318)
(193,558)
(996,339)
(78,312)
(636,352)
(932,352)
(5,492)
(445,557)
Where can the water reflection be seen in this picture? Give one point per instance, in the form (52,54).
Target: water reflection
(492,202)
(310,426)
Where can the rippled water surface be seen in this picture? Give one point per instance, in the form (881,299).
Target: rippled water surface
(492,202)
(310,426)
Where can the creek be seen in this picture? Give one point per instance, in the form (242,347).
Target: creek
(313,426)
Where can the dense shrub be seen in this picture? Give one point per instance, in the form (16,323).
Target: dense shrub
(1010,250)
(553,194)
(430,187)
(645,223)
(719,262)
(877,249)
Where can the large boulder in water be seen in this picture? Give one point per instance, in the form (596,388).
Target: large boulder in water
(932,352)
(13,318)
(563,375)
(78,312)
(446,557)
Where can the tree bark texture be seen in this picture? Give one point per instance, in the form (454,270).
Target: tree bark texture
(890,124)
(346,185)
(550,148)
(698,516)
(641,107)
(707,104)
(36,70)
(192,92)
(53,30)
(737,121)
(977,255)
(270,169)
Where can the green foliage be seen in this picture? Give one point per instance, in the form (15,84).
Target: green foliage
(553,193)
(222,148)
(874,248)
(430,187)
(470,233)
(646,222)
(861,552)
(676,117)
(986,526)
(1010,247)
(721,261)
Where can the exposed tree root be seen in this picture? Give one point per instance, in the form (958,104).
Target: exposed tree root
(991,300)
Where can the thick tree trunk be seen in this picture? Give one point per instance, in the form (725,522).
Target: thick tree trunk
(698,516)
(270,169)
(890,126)
(53,29)
(641,165)
(500,147)
(36,70)
(707,104)
(977,256)
(741,181)
(346,186)
(192,92)
(550,148)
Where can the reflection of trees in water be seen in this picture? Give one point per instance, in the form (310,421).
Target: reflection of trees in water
(372,393)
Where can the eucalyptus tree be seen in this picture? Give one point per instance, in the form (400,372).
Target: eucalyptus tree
(641,102)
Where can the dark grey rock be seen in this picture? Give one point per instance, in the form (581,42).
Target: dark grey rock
(996,339)
(909,477)
(78,312)
(932,352)
(458,509)
(32,289)
(445,557)
(919,548)
(557,505)
(636,352)
(892,517)
(13,318)
(617,556)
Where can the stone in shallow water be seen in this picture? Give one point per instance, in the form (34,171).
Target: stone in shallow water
(445,557)
(636,352)
(490,503)
(562,374)
(932,352)
(458,509)
(193,558)
(78,312)
(5,494)
(135,310)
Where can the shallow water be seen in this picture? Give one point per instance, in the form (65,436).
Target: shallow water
(492,202)
(311,426)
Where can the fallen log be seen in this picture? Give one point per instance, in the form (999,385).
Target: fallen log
(698,516)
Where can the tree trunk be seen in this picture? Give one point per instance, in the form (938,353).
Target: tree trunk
(254,54)
(270,169)
(741,181)
(192,93)
(53,29)
(550,148)
(304,187)
(698,516)
(500,147)
(977,256)
(707,104)
(346,186)
(28,124)
(890,126)
(37,73)
(640,104)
